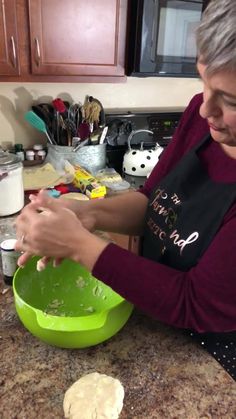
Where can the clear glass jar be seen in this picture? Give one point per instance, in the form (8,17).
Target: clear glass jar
(11,184)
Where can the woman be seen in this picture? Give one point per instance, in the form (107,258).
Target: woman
(185,213)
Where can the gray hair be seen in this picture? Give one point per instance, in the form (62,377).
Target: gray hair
(216,36)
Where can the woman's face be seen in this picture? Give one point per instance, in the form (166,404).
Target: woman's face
(219,106)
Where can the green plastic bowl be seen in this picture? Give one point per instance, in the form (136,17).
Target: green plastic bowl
(66,306)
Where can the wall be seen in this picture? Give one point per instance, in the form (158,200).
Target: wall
(134,94)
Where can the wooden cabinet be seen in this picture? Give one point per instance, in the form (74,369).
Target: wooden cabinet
(9,63)
(72,40)
(131,243)
(74,37)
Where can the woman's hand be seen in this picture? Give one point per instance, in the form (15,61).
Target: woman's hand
(80,208)
(87,220)
(47,228)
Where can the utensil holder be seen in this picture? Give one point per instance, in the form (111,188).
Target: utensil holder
(91,157)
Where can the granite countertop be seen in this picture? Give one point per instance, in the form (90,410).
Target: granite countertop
(164,374)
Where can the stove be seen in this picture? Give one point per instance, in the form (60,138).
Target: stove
(162,125)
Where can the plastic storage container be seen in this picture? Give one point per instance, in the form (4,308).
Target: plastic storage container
(11,184)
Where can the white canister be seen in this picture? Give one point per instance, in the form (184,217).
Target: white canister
(11,184)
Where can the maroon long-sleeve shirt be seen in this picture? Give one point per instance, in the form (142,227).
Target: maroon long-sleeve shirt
(204,298)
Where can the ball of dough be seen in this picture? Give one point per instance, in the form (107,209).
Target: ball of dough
(94,396)
(40,265)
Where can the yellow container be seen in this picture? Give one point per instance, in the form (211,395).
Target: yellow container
(88,184)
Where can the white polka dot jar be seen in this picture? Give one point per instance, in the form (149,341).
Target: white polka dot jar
(138,164)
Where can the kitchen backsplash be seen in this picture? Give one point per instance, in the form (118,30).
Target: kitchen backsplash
(136,94)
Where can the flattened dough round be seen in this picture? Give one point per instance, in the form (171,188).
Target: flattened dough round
(94,396)
(75,195)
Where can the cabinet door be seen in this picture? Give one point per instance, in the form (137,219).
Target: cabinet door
(78,37)
(9,64)
(131,243)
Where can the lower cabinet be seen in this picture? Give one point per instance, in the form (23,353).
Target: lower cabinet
(131,243)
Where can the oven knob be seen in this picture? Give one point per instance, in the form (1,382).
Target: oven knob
(129,127)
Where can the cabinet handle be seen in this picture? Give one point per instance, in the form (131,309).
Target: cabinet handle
(13,51)
(154,32)
(38,55)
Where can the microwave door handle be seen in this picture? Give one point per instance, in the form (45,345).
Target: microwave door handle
(154,32)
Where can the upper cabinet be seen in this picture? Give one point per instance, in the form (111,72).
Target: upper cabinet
(74,37)
(9,63)
(72,40)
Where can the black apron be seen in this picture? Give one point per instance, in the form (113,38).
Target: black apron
(184,214)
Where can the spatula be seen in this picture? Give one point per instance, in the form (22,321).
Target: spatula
(62,110)
(38,123)
(59,105)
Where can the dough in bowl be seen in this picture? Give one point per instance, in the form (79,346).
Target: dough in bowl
(94,396)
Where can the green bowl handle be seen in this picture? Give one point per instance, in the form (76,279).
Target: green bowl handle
(71,324)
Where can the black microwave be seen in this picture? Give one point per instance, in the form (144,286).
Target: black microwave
(162,37)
